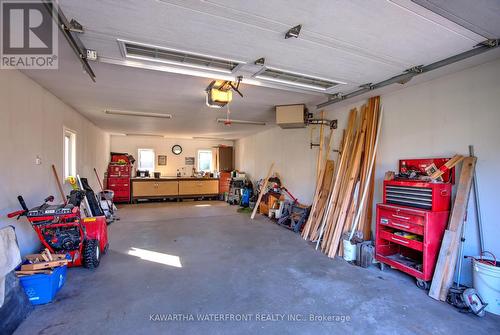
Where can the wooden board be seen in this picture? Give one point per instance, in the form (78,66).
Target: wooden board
(447,259)
(321,198)
(44,265)
(261,194)
(34,257)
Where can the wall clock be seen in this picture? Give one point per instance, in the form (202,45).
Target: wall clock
(176,149)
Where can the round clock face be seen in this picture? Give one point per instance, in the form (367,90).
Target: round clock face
(176,149)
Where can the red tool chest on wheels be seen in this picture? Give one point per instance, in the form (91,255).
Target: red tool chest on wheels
(411,222)
(119,173)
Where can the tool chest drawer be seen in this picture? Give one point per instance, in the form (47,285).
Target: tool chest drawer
(409,238)
(423,195)
(118,171)
(118,182)
(224,182)
(122,195)
(400,219)
(391,237)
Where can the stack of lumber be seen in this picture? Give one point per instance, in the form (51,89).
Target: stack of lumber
(343,197)
(43,262)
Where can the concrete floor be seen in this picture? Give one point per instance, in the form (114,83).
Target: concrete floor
(232,265)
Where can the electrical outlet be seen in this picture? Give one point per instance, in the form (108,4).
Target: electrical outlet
(38,160)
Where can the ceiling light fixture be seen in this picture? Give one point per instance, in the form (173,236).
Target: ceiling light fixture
(145,135)
(296,79)
(257,123)
(161,54)
(132,113)
(211,138)
(291,83)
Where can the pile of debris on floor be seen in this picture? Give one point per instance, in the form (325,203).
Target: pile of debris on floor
(280,205)
(271,199)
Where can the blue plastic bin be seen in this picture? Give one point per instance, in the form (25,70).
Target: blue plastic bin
(42,288)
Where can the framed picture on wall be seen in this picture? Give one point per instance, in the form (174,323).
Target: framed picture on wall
(189,161)
(162,159)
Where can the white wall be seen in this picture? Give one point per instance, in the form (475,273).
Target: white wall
(31,125)
(293,159)
(437,118)
(163,146)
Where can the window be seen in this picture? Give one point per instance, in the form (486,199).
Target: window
(204,160)
(69,153)
(147,160)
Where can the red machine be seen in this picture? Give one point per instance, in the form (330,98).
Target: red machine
(61,229)
(412,220)
(119,173)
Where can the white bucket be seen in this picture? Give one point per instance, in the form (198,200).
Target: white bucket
(349,251)
(486,280)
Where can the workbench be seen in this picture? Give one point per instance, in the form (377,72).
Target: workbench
(173,188)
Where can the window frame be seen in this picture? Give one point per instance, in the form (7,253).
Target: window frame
(198,160)
(69,169)
(139,167)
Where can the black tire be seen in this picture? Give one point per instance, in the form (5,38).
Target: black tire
(422,284)
(91,254)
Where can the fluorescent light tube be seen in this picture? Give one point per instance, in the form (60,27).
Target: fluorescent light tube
(165,61)
(211,138)
(291,83)
(145,135)
(132,113)
(305,75)
(257,123)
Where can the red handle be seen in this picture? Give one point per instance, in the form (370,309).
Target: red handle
(14,214)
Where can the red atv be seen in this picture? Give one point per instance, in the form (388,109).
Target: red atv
(62,230)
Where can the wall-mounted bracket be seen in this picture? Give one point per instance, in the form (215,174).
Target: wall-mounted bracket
(260,61)
(312,145)
(70,29)
(491,43)
(293,32)
(330,123)
(415,69)
(367,86)
(74,26)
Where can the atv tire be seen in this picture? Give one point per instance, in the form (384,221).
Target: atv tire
(91,254)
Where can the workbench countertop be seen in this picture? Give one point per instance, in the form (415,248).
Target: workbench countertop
(172,178)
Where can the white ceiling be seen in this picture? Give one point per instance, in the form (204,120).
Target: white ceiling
(356,42)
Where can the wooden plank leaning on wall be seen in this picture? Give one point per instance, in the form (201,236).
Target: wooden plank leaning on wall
(447,259)
(329,221)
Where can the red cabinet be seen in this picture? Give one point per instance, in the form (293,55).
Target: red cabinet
(412,220)
(119,181)
(408,239)
(224,182)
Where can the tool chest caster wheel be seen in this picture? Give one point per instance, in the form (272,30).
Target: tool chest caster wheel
(382,266)
(422,284)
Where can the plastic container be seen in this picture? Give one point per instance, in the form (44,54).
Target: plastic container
(486,280)
(349,251)
(42,288)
